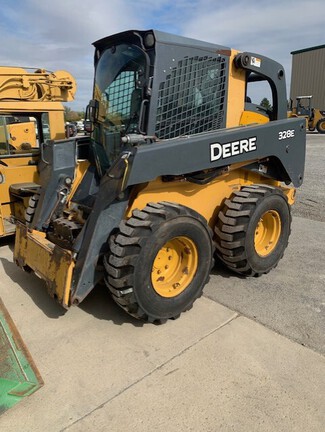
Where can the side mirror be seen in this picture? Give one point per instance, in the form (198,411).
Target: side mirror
(88,126)
(91,115)
(92,110)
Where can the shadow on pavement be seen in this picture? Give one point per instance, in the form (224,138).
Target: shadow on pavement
(98,303)
(222,270)
(8,241)
(34,287)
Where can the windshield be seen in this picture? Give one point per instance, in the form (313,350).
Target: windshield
(118,87)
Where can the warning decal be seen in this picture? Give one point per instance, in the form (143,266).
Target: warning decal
(256,62)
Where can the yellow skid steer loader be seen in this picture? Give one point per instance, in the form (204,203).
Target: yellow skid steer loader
(178,168)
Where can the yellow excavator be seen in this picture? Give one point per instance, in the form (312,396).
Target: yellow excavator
(31,112)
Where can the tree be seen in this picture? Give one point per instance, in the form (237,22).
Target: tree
(67,111)
(266,104)
(72,116)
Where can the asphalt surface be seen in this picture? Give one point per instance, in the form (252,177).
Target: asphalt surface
(291,298)
(310,203)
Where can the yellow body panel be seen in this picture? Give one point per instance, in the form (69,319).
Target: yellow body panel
(80,171)
(20,133)
(290,193)
(57,125)
(204,199)
(21,172)
(236,93)
(50,262)
(250,117)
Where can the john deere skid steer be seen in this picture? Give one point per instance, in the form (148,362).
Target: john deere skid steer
(179,167)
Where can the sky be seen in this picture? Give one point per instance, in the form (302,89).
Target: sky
(58,34)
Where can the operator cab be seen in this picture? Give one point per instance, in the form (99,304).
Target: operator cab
(151,86)
(303,106)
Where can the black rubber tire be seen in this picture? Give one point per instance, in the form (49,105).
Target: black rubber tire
(133,249)
(236,225)
(320,126)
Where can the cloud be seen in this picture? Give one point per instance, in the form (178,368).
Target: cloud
(273,29)
(58,34)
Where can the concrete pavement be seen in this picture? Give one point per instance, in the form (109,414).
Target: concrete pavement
(210,370)
(240,377)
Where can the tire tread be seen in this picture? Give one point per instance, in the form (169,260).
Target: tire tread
(125,247)
(232,225)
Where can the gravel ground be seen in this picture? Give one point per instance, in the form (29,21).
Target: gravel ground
(310,202)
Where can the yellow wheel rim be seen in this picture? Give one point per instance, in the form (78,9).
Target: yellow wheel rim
(174,267)
(267,233)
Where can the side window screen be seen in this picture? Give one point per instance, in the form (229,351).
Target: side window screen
(119,94)
(192,98)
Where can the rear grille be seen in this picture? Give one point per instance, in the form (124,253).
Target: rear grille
(192,98)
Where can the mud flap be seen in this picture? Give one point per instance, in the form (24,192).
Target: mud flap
(19,376)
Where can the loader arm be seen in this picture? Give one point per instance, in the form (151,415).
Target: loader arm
(282,140)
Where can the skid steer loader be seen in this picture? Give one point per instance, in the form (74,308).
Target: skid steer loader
(315,118)
(178,167)
(30,112)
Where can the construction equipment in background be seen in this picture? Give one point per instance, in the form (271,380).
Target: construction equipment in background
(315,118)
(30,113)
(177,165)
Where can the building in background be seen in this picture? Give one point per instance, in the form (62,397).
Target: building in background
(308,75)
